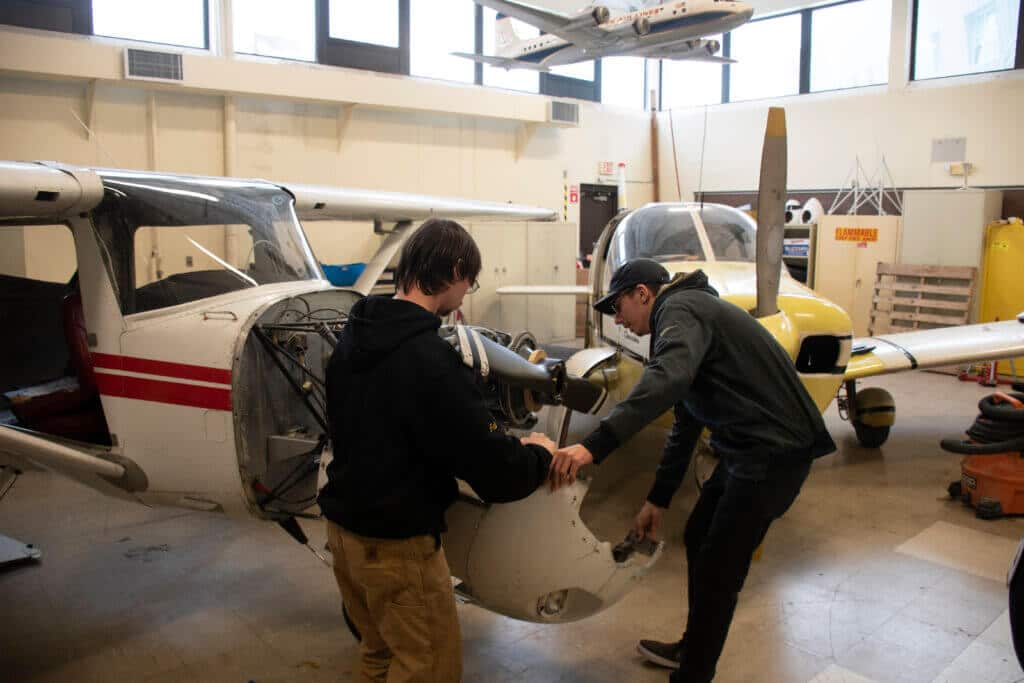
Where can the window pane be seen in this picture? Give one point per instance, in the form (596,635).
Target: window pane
(268,27)
(686,83)
(157,21)
(581,70)
(965,36)
(768,59)
(622,81)
(365,22)
(515,79)
(438,28)
(850,45)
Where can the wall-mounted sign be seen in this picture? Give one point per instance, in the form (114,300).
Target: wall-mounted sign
(606,167)
(856,234)
(574,194)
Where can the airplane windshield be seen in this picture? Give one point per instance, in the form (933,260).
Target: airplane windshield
(663,232)
(171,240)
(732,233)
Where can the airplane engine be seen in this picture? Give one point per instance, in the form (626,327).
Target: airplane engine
(595,17)
(713,46)
(642,26)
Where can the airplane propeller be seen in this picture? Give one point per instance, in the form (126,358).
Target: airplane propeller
(771,210)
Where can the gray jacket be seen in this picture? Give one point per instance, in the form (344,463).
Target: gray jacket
(717,367)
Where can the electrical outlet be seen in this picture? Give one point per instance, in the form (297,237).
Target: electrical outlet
(188,261)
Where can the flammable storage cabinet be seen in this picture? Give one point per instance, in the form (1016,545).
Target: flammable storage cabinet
(947,228)
(848,251)
(1002,280)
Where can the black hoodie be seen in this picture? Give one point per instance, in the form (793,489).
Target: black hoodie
(406,419)
(719,368)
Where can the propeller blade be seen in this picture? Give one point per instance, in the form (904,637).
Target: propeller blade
(771,211)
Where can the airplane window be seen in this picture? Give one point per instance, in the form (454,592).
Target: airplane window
(732,233)
(659,231)
(169,241)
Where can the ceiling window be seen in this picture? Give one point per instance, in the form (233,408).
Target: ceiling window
(273,29)
(768,59)
(514,79)
(438,28)
(622,81)
(688,83)
(360,21)
(964,36)
(850,45)
(182,22)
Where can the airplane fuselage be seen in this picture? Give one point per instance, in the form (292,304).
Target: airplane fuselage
(638,32)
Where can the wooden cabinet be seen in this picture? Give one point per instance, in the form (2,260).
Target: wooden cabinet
(849,249)
(525,254)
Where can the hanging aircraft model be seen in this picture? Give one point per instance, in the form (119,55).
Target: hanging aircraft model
(665,30)
(743,261)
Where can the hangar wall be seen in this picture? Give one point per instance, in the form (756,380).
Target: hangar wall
(454,140)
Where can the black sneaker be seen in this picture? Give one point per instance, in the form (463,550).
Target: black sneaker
(668,655)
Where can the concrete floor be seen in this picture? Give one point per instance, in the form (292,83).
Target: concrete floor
(873,575)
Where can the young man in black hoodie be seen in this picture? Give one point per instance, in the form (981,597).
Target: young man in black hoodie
(717,367)
(406,419)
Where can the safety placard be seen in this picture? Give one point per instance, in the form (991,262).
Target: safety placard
(856,234)
(574,194)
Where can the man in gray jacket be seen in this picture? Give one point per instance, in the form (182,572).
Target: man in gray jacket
(716,366)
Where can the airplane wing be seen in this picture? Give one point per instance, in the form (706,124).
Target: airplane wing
(922,349)
(318,202)
(714,59)
(530,290)
(567,28)
(503,62)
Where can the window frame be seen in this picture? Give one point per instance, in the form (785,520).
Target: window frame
(1018,59)
(806,35)
(357,55)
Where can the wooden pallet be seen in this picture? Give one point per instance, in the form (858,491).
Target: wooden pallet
(909,297)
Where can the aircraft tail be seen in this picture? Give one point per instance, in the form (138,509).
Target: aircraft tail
(505,35)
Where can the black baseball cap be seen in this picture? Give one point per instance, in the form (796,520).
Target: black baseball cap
(639,271)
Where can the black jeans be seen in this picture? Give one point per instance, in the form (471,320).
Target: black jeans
(727,524)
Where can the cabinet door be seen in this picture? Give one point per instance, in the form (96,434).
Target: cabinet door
(503,250)
(551,260)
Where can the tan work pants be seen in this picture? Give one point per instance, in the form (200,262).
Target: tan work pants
(399,595)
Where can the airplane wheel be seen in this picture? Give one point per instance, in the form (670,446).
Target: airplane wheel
(870,437)
(351,626)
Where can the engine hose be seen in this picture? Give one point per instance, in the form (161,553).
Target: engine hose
(998,429)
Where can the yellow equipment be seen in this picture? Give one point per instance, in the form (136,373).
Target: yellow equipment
(1002,296)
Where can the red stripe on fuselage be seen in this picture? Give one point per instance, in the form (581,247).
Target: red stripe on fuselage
(196,373)
(159,391)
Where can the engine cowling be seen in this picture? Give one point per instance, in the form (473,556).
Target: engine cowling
(642,26)
(601,14)
(713,46)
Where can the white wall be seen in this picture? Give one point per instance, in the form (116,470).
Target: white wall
(312,135)
(827,131)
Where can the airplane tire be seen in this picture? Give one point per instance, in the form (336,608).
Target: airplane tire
(870,437)
(351,626)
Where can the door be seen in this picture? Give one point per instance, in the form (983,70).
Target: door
(598,205)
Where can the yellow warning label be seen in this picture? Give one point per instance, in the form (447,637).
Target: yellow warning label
(857,234)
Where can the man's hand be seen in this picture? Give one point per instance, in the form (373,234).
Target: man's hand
(540,440)
(648,520)
(566,463)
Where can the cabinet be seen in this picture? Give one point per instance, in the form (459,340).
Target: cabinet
(847,254)
(1002,297)
(798,251)
(525,254)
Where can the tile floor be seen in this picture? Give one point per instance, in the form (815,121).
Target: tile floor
(873,575)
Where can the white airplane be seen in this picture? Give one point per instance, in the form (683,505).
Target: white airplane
(204,389)
(665,30)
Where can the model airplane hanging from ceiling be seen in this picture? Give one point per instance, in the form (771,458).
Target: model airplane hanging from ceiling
(666,30)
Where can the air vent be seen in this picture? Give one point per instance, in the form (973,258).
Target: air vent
(152,66)
(565,113)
